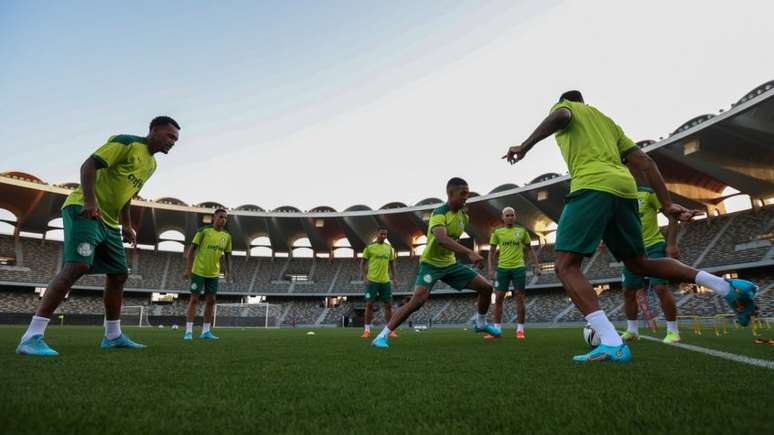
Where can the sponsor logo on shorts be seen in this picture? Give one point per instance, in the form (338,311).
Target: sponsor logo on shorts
(85,249)
(497,283)
(194,286)
(428,278)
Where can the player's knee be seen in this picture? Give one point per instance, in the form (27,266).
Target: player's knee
(420,299)
(636,265)
(117,278)
(565,266)
(499,298)
(72,271)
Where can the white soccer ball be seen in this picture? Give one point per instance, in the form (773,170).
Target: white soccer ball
(310,333)
(590,336)
(174,327)
(161,326)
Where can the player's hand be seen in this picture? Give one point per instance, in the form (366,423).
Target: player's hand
(515,153)
(187,276)
(395,282)
(130,236)
(90,210)
(673,252)
(476,259)
(680,213)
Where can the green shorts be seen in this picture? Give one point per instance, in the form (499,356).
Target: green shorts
(203,284)
(92,242)
(378,291)
(591,216)
(632,281)
(457,275)
(504,277)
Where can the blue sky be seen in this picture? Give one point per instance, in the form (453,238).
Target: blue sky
(345,102)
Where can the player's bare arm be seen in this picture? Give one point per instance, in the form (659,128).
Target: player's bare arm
(130,236)
(227,267)
(490,261)
(189,262)
(364,269)
(639,161)
(447,242)
(554,122)
(535,261)
(394,273)
(671,248)
(88,179)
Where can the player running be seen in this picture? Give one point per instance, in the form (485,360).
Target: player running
(655,247)
(438,262)
(602,206)
(97,219)
(209,244)
(507,243)
(377,258)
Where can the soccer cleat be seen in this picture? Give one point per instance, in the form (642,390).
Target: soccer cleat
(365,334)
(620,354)
(208,336)
(122,341)
(380,342)
(488,328)
(492,337)
(35,346)
(672,337)
(520,335)
(630,336)
(188,336)
(740,299)
(393,334)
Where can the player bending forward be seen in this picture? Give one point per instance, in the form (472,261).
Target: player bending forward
(438,262)
(209,244)
(377,258)
(507,243)
(602,206)
(655,247)
(96,215)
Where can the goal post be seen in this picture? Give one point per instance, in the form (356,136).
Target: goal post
(134,315)
(246,315)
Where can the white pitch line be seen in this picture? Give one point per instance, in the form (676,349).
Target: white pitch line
(716,353)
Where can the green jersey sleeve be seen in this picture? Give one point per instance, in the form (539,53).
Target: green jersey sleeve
(197,240)
(526,239)
(111,153)
(437,220)
(624,143)
(493,239)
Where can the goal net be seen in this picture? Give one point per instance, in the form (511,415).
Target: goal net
(134,315)
(252,315)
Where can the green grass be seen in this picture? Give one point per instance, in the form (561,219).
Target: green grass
(440,381)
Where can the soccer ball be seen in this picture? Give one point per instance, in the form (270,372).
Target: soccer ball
(174,327)
(590,336)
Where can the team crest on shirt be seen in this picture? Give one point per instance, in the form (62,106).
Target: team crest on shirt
(85,249)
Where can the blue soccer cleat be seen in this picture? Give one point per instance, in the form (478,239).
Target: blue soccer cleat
(208,336)
(35,346)
(740,299)
(122,341)
(620,354)
(489,329)
(188,336)
(380,342)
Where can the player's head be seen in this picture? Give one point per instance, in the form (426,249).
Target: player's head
(457,191)
(381,235)
(509,216)
(573,95)
(219,218)
(162,134)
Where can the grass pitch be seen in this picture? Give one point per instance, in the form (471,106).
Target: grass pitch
(440,381)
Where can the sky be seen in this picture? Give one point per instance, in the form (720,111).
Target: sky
(337,103)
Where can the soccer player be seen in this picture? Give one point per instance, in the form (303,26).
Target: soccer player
(602,205)
(377,258)
(655,247)
(507,243)
(438,262)
(209,244)
(96,215)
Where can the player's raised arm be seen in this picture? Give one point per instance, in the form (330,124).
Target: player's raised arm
(554,122)
(447,242)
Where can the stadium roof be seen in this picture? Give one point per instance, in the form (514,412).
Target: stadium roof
(703,157)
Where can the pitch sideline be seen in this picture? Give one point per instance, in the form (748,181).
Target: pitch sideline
(719,354)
